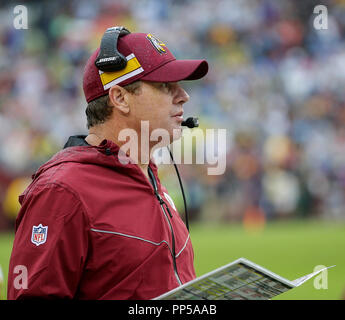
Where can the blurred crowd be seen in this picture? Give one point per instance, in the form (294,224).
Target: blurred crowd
(275,83)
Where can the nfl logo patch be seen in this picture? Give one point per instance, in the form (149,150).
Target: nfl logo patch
(39,234)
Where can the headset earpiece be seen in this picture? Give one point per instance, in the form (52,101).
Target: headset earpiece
(109,59)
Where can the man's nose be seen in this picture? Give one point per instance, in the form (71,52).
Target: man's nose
(181,96)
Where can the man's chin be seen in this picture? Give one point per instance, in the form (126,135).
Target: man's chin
(166,136)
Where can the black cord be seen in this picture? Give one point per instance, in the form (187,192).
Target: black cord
(184,198)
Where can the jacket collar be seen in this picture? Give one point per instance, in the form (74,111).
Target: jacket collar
(74,141)
(106,146)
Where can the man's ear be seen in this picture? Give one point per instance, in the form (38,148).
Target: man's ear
(118,98)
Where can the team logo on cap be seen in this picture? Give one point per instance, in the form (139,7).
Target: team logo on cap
(132,69)
(39,234)
(156,43)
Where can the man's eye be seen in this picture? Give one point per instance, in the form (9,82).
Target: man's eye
(166,86)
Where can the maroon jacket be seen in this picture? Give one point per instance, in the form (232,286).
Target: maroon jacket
(91,227)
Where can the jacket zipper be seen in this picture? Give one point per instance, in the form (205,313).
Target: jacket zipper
(162,204)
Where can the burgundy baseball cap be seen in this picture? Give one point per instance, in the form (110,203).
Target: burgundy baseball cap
(147,59)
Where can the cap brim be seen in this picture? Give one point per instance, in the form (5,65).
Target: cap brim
(178,70)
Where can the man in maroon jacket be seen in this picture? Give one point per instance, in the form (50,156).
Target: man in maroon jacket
(95,222)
